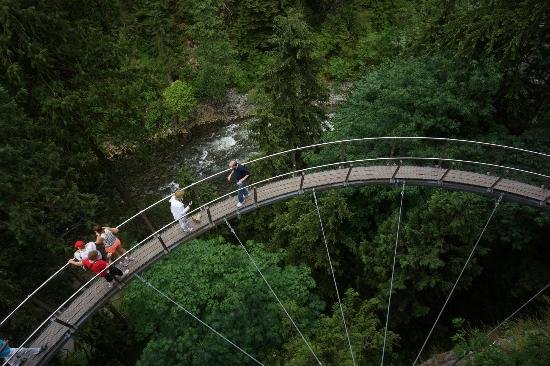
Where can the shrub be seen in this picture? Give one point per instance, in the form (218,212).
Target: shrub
(179,99)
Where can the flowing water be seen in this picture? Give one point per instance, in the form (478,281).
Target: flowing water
(208,151)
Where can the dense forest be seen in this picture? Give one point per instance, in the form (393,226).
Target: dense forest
(91,92)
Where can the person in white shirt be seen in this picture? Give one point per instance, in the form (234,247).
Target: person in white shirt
(82,250)
(179,210)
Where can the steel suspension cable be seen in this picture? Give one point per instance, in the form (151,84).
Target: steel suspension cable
(392,272)
(149,284)
(333,276)
(521,307)
(271,289)
(458,278)
(328,143)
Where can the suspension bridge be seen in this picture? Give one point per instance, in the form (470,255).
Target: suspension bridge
(509,182)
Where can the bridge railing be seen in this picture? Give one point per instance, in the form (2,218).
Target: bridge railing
(340,153)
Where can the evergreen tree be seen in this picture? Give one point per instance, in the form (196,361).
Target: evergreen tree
(290,114)
(513,33)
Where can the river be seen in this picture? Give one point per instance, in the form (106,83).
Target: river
(206,149)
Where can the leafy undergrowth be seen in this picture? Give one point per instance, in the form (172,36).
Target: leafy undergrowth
(521,342)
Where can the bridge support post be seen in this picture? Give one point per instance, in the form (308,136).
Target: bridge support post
(210,222)
(348,174)
(490,189)
(301,189)
(294,160)
(64,323)
(440,179)
(255,195)
(392,179)
(166,250)
(342,152)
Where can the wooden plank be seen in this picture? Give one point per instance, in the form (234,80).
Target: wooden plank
(278,188)
(224,208)
(419,172)
(373,173)
(522,189)
(319,179)
(470,178)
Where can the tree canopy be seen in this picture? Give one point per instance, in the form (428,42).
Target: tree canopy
(96,98)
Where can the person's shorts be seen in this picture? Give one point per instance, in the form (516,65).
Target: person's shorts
(113,247)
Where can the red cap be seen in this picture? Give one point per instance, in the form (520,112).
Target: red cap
(79,244)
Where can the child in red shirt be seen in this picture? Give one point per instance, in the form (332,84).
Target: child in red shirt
(99,266)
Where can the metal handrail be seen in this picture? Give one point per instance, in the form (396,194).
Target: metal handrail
(264,181)
(32,293)
(338,142)
(293,150)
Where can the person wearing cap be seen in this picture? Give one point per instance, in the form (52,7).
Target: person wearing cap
(178,209)
(99,266)
(82,249)
(19,354)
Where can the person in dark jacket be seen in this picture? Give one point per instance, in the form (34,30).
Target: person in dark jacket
(240,174)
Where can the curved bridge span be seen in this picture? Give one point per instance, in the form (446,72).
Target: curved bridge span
(55,334)
(518,181)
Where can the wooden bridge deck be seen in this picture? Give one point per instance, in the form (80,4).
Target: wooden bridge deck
(94,297)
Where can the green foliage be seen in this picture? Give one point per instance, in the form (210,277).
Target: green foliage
(432,238)
(510,32)
(215,55)
(426,97)
(217,283)
(330,342)
(179,99)
(65,97)
(255,23)
(39,200)
(528,345)
(338,69)
(352,35)
(199,193)
(217,70)
(290,114)
(297,230)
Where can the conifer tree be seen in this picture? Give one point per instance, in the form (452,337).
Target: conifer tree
(291,95)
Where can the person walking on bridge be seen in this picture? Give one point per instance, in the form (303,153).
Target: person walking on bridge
(178,209)
(106,237)
(21,353)
(99,266)
(240,174)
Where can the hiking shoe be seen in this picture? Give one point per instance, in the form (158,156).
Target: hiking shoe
(109,285)
(239,204)
(125,273)
(43,348)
